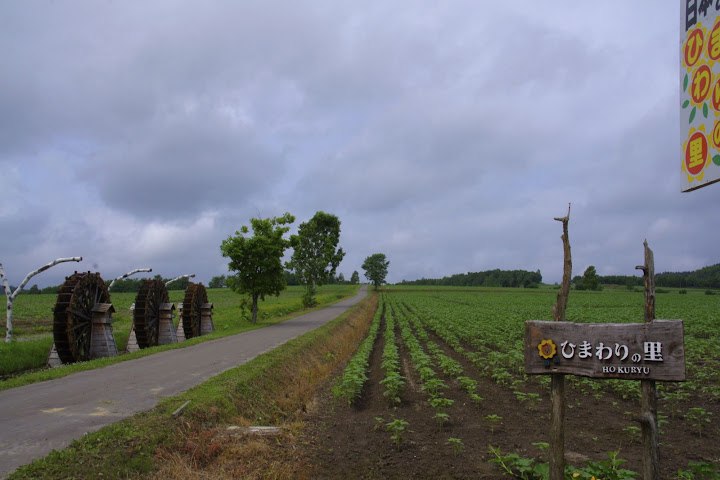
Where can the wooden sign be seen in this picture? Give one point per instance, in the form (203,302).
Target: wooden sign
(628,351)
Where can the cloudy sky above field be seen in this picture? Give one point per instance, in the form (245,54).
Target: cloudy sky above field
(446,135)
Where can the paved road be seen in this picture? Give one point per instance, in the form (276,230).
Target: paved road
(37,418)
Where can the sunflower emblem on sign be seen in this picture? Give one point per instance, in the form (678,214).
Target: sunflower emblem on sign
(547,351)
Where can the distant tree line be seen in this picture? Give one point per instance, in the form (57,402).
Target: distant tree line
(291,279)
(35,290)
(706,277)
(131,285)
(490,278)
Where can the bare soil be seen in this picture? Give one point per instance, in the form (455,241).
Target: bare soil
(349,442)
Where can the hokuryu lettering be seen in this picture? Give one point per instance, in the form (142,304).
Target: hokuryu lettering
(627,370)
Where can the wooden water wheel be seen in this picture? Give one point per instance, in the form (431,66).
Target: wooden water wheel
(152,294)
(72,315)
(195,297)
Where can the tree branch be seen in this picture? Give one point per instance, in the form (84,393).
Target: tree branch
(42,269)
(138,270)
(11,296)
(178,278)
(560,307)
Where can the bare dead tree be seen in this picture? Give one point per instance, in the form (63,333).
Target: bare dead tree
(179,278)
(557,384)
(11,295)
(560,307)
(138,270)
(648,417)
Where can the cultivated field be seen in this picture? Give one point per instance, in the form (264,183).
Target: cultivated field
(435,390)
(443,384)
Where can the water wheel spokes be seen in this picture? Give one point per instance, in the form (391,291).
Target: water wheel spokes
(72,315)
(195,297)
(150,297)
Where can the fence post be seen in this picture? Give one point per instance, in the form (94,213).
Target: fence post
(648,417)
(557,385)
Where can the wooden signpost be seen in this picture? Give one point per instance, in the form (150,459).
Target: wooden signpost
(650,351)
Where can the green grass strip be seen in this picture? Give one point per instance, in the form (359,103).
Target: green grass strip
(127,449)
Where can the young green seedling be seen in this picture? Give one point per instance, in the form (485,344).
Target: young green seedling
(397,427)
(457,445)
(441,418)
(494,420)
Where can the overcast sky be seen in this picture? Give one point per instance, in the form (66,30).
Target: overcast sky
(446,135)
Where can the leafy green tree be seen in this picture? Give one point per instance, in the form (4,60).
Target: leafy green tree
(376,268)
(291,278)
(316,255)
(589,280)
(258,259)
(340,278)
(355,278)
(217,282)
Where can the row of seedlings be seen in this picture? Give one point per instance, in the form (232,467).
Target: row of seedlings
(393,381)
(502,366)
(423,364)
(354,376)
(448,365)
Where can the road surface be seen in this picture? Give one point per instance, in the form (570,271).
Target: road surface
(37,418)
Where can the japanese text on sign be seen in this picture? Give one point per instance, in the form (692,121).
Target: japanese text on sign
(700,93)
(634,351)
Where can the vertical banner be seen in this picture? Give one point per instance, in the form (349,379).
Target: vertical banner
(699,92)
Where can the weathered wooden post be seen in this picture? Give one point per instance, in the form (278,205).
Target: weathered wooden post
(648,417)
(102,342)
(180,332)
(206,323)
(557,383)
(132,345)
(166,329)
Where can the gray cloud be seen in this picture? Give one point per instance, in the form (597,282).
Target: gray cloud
(445,136)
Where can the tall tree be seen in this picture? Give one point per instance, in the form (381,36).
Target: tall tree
(355,278)
(376,268)
(258,259)
(217,282)
(316,255)
(589,280)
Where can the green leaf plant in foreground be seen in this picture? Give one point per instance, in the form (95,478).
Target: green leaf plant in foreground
(529,469)
(397,428)
(700,471)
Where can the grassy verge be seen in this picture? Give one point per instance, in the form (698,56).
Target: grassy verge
(270,390)
(18,357)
